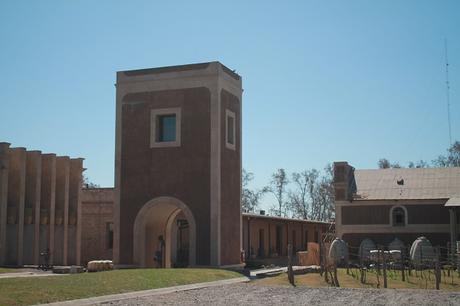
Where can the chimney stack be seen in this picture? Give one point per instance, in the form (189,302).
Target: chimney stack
(344,181)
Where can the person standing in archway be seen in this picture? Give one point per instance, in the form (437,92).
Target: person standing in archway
(159,258)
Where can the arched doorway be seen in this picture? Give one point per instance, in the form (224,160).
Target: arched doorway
(172,219)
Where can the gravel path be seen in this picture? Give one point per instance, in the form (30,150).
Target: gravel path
(249,294)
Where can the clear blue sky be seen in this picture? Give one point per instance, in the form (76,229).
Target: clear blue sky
(323,80)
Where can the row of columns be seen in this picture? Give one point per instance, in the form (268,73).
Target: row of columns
(40,207)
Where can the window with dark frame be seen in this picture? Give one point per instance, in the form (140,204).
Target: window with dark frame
(230,130)
(279,240)
(109,227)
(399,217)
(261,251)
(166,128)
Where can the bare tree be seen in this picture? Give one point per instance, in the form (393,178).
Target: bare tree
(300,199)
(313,196)
(325,195)
(250,198)
(88,184)
(452,159)
(384,163)
(278,188)
(418,164)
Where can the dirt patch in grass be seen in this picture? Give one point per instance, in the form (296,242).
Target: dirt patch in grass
(34,290)
(312,280)
(417,280)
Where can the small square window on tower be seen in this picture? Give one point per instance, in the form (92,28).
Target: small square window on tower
(230,135)
(165,127)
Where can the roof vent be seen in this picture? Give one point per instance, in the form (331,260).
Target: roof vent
(400,182)
(262,212)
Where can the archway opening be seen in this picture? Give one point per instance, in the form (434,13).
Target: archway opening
(164,234)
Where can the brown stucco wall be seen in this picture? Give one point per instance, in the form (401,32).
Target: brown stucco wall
(181,172)
(380,214)
(384,239)
(427,214)
(230,184)
(97,212)
(305,231)
(375,214)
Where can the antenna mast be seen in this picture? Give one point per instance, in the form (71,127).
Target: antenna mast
(448,93)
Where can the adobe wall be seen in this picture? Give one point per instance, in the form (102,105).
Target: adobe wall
(30,183)
(197,172)
(97,214)
(181,172)
(295,232)
(231,183)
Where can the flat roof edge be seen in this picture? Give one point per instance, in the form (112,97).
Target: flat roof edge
(178,68)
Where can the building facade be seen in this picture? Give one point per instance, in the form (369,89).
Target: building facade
(266,237)
(40,207)
(384,204)
(177,195)
(178,160)
(97,224)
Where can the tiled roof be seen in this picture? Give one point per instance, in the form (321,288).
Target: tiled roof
(408,183)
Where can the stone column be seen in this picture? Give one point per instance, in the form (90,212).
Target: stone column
(74,229)
(38,191)
(32,205)
(62,207)
(215,209)
(47,203)
(4,165)
(16,197)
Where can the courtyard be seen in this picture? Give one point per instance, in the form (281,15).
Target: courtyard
(253,294)
(222,287)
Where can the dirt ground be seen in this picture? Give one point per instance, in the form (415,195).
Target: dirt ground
(352,280)
(251,294)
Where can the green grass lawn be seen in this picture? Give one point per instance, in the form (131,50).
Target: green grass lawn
(33,290)
(9,270)
(417,280)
